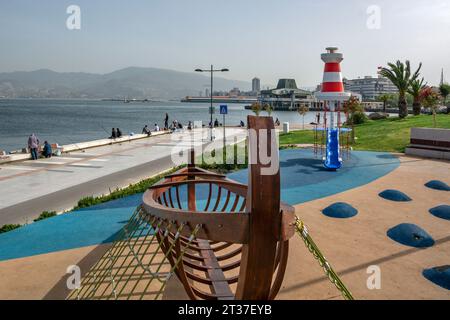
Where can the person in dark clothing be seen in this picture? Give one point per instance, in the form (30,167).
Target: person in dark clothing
(113,133)
(166,122)
(242,124)
(318,118)
(146,131)
(47,152)
(119,133)
(216,123)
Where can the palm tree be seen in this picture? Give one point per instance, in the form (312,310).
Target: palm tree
(400,75)
(385,98)
(414,90)
(303,110)
(430,100)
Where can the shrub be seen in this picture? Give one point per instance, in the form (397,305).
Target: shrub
(378,116)
(45,215)
(9,227)
(359,118)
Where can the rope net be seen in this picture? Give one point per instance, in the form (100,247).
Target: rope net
(136,267)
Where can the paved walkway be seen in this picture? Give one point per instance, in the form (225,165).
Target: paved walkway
(31,187)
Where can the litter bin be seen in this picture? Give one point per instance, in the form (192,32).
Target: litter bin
(285,127)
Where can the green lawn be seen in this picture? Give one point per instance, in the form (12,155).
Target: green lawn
(391,135)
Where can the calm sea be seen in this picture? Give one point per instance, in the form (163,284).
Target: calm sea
(72,121)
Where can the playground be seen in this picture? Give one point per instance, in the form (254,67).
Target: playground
(34,258)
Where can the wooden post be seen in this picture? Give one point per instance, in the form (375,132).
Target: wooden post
(263,206)
(192,206)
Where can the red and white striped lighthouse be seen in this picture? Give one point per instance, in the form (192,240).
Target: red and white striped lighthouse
(332,86)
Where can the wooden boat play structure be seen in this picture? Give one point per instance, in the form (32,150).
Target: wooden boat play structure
(223,240)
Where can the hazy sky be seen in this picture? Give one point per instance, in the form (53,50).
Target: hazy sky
(268,39)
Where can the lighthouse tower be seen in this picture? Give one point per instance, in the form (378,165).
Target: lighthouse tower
(332,95)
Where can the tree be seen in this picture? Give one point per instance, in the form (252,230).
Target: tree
(385,98)
(257,108)
(400,75)
(430,99)
(303,110)
(414,90)
(351,108)
(444,89)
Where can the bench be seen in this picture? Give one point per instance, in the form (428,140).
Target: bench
(429,143)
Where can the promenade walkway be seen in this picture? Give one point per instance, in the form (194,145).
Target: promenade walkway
(56,184)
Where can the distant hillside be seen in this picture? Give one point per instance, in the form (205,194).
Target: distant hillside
(133,82)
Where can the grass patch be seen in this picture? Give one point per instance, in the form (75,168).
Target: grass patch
(389,135)
(9,227)
(132,189)
(46,215)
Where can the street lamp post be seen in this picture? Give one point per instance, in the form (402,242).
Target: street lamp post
(212,70)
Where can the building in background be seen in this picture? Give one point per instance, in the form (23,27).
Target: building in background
(286,96)
(370,88)
(256,85)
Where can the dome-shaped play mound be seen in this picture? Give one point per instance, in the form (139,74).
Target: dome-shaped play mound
(411,235)
(340,210)
(442,212)
(438,185)
(439,276)
(395,195)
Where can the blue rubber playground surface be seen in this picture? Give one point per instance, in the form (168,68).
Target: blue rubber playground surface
(303,179)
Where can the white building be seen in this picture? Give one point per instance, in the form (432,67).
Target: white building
(370,88)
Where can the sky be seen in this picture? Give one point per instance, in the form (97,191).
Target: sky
(253,38)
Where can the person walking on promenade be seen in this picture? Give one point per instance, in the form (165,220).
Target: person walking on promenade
(33,145)
(166,122)
(47,152)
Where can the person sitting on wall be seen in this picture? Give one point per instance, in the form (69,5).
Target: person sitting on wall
(47,152)
(189,125)
(113,133)
(242,124)
(146,131)
(119,133)
(157,128)
(277,122)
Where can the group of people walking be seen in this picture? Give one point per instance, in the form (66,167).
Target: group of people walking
(35,148)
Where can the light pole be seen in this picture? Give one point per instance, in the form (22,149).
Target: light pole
(212,70)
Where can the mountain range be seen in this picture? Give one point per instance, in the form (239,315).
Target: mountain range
(132,82)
